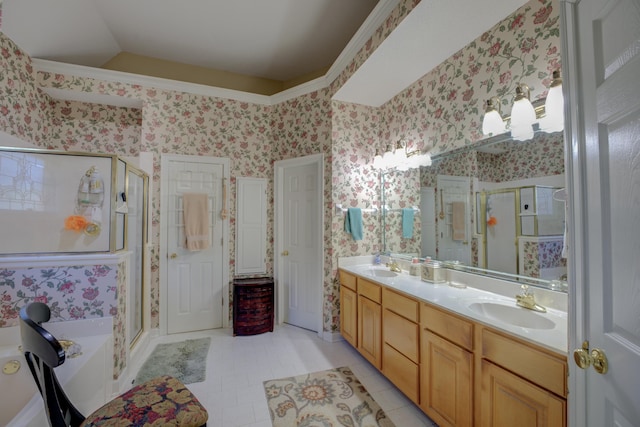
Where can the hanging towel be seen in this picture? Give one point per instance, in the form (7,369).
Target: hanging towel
(196,221)
(457,220)
(353,223)
(407,223)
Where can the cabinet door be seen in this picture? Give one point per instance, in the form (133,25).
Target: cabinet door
(348,316)
(251,225)
(369,327)
(508,400)
(446,383)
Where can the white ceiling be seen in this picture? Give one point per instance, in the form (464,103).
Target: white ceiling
(275,39)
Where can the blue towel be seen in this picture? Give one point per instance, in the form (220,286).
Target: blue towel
(407,223)
(353,223)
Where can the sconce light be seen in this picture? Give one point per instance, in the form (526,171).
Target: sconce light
(523,116)
(400,159)
(554,106)
(492,123)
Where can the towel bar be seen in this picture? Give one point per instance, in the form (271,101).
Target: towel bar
(341,210)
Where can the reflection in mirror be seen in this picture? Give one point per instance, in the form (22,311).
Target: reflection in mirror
(490,206)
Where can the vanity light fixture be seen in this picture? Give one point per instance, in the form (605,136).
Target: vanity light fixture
(400,159)
(492,123)
(550,116)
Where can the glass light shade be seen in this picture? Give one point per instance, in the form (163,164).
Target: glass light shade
(399,156)
(387,159)
(554,106)
(492,123)
(522,114)
(378,163)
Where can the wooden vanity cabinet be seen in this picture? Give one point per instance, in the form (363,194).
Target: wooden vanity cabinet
(460,372)
(369,322)
(446,367)
(348,308)
(401,348)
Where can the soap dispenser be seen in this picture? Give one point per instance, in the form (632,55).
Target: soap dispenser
(415,268)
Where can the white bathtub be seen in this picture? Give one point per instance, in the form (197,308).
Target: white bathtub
(87,378)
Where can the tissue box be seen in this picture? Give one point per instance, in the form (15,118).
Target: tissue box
(433,272)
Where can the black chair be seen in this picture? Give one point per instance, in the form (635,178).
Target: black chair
(161,401)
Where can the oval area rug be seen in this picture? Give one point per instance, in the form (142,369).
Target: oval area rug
(334,397)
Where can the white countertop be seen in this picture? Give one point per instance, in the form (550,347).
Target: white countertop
(551,332)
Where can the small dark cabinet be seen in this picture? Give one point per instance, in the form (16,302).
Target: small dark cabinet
(252,305)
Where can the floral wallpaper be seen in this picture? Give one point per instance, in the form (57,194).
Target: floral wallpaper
(542,156)
(439,111)
(72,293)
(538,256)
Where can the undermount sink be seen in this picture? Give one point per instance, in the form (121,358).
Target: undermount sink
(378,272)
(516,316)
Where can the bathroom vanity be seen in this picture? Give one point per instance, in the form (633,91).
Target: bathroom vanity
(465,356)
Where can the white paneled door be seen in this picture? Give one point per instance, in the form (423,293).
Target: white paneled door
(194,278)
(300,243)
(603,74)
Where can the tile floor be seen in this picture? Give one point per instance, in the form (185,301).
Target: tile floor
(236,367)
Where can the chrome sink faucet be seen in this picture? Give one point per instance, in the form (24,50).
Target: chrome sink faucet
(527,300)
(393,266)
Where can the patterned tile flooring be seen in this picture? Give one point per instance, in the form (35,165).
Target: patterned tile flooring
(236,367)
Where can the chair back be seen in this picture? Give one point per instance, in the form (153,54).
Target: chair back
(43,353)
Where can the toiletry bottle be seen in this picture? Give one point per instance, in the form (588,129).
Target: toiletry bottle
(414,269)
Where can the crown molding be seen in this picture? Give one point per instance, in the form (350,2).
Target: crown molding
(364,33)
(146,81)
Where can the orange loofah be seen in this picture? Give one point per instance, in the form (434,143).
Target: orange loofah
(492,221)
(75,223)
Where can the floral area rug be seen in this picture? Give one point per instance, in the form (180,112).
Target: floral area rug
(331,398)
(185,360)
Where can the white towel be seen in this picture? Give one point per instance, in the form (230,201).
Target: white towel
(196,221)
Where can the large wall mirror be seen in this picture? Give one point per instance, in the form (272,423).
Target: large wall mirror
(495,207)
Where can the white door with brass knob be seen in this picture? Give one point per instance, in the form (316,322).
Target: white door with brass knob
(601,82)
(195,280)
(299,241)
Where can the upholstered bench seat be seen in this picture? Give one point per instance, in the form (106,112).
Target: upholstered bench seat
(162,401)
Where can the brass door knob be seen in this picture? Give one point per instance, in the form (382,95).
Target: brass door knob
(173,255)
(599,361)
(596,357)
(582,356)
(285,253)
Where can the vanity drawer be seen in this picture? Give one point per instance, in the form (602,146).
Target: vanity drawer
(404,306)
(401,334)
(448,326)
(347,280)
(369,290)
(524,359)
